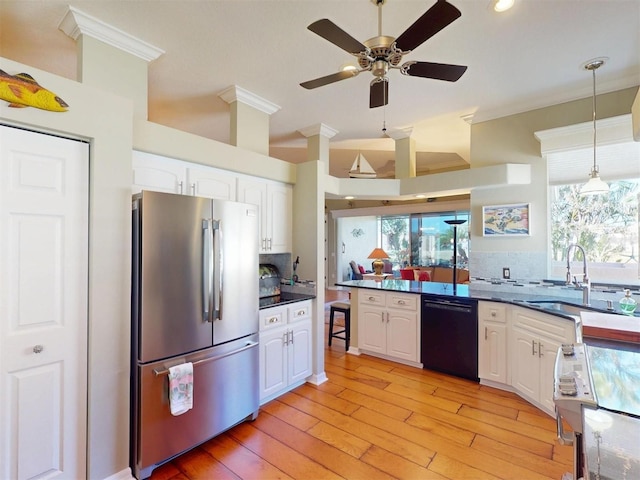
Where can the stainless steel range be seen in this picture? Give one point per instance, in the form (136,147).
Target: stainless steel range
(597,393)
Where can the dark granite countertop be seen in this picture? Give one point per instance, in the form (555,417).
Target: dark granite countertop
(284,298)
(468,291)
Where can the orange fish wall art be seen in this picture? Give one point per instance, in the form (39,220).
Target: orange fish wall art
(21,91)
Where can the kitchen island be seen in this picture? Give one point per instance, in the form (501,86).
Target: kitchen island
(518,332)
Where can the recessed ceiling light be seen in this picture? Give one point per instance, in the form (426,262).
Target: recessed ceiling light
(502,5)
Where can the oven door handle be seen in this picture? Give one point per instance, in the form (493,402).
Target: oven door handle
(562,437)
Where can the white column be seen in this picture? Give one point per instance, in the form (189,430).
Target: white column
(249,119)
(127,57)
(405,153)
(318,137)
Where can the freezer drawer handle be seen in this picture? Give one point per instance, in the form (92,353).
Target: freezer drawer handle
(210,359)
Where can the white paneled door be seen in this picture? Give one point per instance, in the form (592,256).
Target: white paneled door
(43,305)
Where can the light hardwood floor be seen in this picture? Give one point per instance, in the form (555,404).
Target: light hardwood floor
(376,419)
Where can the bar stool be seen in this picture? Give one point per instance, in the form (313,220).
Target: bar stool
(345,309)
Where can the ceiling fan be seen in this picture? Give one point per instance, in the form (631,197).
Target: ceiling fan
(380,54)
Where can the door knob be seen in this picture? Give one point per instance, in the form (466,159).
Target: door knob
(38,349)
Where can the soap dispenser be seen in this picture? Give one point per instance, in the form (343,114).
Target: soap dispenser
(627,304)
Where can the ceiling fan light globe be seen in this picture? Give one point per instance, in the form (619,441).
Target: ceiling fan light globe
(502,5)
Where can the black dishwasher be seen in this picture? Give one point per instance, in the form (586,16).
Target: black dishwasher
(449,332)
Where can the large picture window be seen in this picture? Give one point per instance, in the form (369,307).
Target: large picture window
(606,226)
(432,239)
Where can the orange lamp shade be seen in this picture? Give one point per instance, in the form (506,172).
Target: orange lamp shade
(378,264)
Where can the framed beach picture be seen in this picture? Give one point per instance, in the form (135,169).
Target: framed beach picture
(506,220)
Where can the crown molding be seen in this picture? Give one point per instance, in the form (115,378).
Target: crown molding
(610,131)
(400,133)
(75,22)
(234,93)
(318,129)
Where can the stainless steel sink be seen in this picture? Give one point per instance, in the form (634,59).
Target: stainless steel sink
(562,307)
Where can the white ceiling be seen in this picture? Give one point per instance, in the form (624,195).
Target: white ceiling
(528,57)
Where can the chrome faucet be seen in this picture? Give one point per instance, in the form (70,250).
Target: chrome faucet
(585,284)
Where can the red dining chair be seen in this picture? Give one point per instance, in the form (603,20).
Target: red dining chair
(407,274)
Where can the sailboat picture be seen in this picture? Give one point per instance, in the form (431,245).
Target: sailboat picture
(361,168)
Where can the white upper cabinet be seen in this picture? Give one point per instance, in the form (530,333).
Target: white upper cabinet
(274,199)
(211,183)
(275,203)
(162,174)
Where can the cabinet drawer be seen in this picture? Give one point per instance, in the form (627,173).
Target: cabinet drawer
(370,297)
(496,312)
(272,317)
(403,302)
(300,311)
(537,323)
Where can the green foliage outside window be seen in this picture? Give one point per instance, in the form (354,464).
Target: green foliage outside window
(605,225)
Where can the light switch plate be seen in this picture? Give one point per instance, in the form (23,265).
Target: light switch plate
(506,273)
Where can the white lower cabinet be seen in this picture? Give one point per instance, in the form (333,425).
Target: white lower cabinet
(535,340)
(285,348)
(492,336)
(517,350)
(388,325)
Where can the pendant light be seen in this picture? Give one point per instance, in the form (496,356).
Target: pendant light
(595,185)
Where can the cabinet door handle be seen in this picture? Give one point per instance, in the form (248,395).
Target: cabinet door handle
(382,316)
(371,299)
(388,317)
(193,189)
(400,302)
(269,243)
(180,187)
(485,333)
(493,314)
(540,354)
(533,348)
(291,333)
(286,338)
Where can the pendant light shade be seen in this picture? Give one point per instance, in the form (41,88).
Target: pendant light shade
(595,185)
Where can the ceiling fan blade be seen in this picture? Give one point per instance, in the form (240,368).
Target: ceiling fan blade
(439,71)
(334,77)
(333,33)
(379,93)
(431,22)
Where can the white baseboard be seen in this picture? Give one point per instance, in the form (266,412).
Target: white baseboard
(125,474)
(318,379)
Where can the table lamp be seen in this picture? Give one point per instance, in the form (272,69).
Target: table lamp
(378,254)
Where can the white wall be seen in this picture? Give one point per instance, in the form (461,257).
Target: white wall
(511,140)
(105,120)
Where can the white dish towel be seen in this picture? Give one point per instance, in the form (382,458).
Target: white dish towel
(181,388)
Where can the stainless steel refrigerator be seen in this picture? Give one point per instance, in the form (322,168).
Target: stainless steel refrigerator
(194,299)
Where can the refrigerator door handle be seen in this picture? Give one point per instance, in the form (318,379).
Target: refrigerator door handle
(207,269)
(249,345)
(217,269)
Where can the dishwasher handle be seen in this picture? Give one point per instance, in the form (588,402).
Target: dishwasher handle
(456,307)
